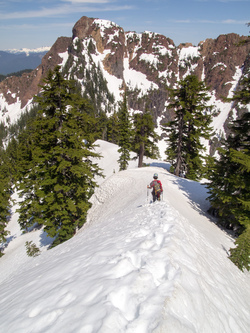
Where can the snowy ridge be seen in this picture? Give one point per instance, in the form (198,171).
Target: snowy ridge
(135,267)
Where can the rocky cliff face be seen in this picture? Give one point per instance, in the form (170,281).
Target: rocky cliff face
(222,58)
(22,89)
(103,54)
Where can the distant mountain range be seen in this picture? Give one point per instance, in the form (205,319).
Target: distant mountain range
(17,60)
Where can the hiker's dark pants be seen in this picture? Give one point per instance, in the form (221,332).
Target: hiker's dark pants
(155,196)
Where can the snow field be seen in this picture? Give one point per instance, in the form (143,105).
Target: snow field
(123,283)
(139,273)
(135,267)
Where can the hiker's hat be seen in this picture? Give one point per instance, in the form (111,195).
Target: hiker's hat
(155,175)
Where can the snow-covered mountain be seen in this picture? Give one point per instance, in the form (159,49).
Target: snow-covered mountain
(135,267)
(102,57)
(14,60)
(43,49)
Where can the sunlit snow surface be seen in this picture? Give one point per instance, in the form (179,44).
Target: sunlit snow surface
(135,266)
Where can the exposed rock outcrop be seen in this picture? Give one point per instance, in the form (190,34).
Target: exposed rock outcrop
(25,87)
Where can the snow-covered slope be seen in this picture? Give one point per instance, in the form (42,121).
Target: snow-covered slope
(135,267)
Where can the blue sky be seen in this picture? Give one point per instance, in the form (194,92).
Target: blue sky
(37,23)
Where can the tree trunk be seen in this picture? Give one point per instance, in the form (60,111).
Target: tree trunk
(179,147)
(141,154)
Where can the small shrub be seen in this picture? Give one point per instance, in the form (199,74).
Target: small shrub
(31,249)
(240,255)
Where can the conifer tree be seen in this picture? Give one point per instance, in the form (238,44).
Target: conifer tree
(191,123)
(8,176)
(145,137)
(59,179)
(12,153)
(5,195)
(125,135)
(241,253)
(229,185)
(101,126)
(113,134)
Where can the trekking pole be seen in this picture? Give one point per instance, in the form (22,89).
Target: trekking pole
(147,194)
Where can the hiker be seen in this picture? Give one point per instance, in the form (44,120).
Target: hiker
(157,188)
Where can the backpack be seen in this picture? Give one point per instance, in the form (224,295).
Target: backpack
(157,187)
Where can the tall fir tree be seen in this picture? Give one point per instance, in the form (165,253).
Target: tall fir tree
(5,194)
(101,126)
(8,176)
(229,186)
(145,137)
(58,180)
(113,134)
(125,134)
(193,117)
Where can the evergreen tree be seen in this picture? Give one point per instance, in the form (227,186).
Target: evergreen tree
(145,138)
(5,195)
(229,185)
(101,126)
(12,151)
(241,253)
(113,134)
(243,95)
(8,176)
(125,135)
(57,181)
(191,123)
(27,176)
